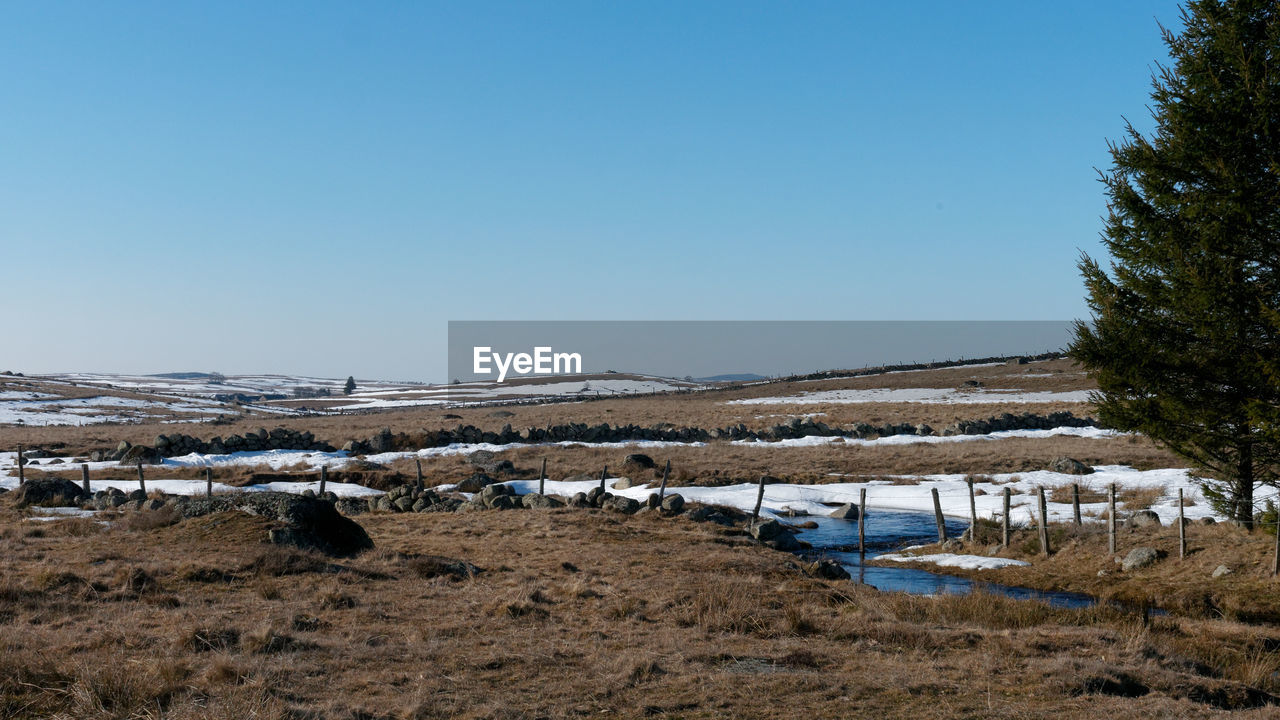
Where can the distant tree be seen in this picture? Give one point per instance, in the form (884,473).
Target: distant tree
(350,387)
(217,378)
(1185,337)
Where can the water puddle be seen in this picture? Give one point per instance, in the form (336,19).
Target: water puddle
(889,530)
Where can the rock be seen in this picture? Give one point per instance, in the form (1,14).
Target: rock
(1143,519)
(1220,571)
(639,460)
(618,503)
(502,502)
(537,501)
(579,500)
(764,530)
(1140,557)
(351,505)
(475,483)
(623,483)
(404,503)
(140,454)
(785,542)
(1207,521)
(653,502)
(489,462)
(1069,466)
(848,511)
(489,492)
(826,570)
(673,504)
(924,429)
(302,522)
(49,492)
(594,495)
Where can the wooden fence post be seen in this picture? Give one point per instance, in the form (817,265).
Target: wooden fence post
(542,478)
(208,482)
(755,514)
(324,478)
(862,521)
(1075,502)
(1182,528)
(1111,518)
(84,478)
(662,489)
(603,474)
(937,515)
(22,479)
(1044,525)
(973,513)
(142,482)
(1004,536)
(418,465)
(1275,560)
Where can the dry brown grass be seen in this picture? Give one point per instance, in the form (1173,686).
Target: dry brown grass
(565,614)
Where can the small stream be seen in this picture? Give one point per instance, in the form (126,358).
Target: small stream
(889,530)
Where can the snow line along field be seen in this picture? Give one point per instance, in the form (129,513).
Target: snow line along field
(942,396)
(965,562)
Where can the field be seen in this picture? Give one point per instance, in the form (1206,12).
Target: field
(575,612)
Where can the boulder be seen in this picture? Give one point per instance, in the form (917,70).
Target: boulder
(1069,466)
(579,500)
(623,483)
(141,454)
(302,522)
(535,500)
(49,492)
(1220,571)
(673,503)
(847,511)
(826,570)
(475,483)
(501,502)
(1140,557)
(639,460)
(764,530)
(1143,519)
(618,503)
(351,505)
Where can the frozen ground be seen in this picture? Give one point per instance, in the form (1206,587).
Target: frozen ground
(967,562)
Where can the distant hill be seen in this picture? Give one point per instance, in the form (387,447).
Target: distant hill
(183,375)
(731,377)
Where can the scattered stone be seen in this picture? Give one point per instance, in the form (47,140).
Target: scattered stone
(848,511)
(538,501)
(1069,466)
(1140,557)
(1221,570)
(764,530)
(639,460)
(623,483)
(1143,519)
(351,505)
(475,483)
(826,570)
(618,503)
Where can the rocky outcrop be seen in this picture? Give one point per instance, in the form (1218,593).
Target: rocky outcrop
(49,492)
(310,523)
(1069,466)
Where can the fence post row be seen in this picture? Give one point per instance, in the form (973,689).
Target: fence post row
(1075,502)
(973,513)
(862,521)
(1111,518)
(22,479)
(662,489)
(1005,521)
(208,482)
(603,473)
(84,478)
(542,478)
(937,515)
(418,464)
(142,482)
(324,478)
(1044,525)
(755,514)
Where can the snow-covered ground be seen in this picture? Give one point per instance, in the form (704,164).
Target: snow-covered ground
(943,396)
(45,409)
(966,562)
(822,440)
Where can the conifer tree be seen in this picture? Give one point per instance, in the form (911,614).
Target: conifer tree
(1184,341)
(350,387)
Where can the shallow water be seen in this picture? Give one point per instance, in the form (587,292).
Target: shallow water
(891,530)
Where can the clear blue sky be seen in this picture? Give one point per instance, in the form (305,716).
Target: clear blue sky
(318,187)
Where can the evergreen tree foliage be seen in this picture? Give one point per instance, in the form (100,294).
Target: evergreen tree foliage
(1184,341)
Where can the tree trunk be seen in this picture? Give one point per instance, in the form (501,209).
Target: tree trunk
(1244,491)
